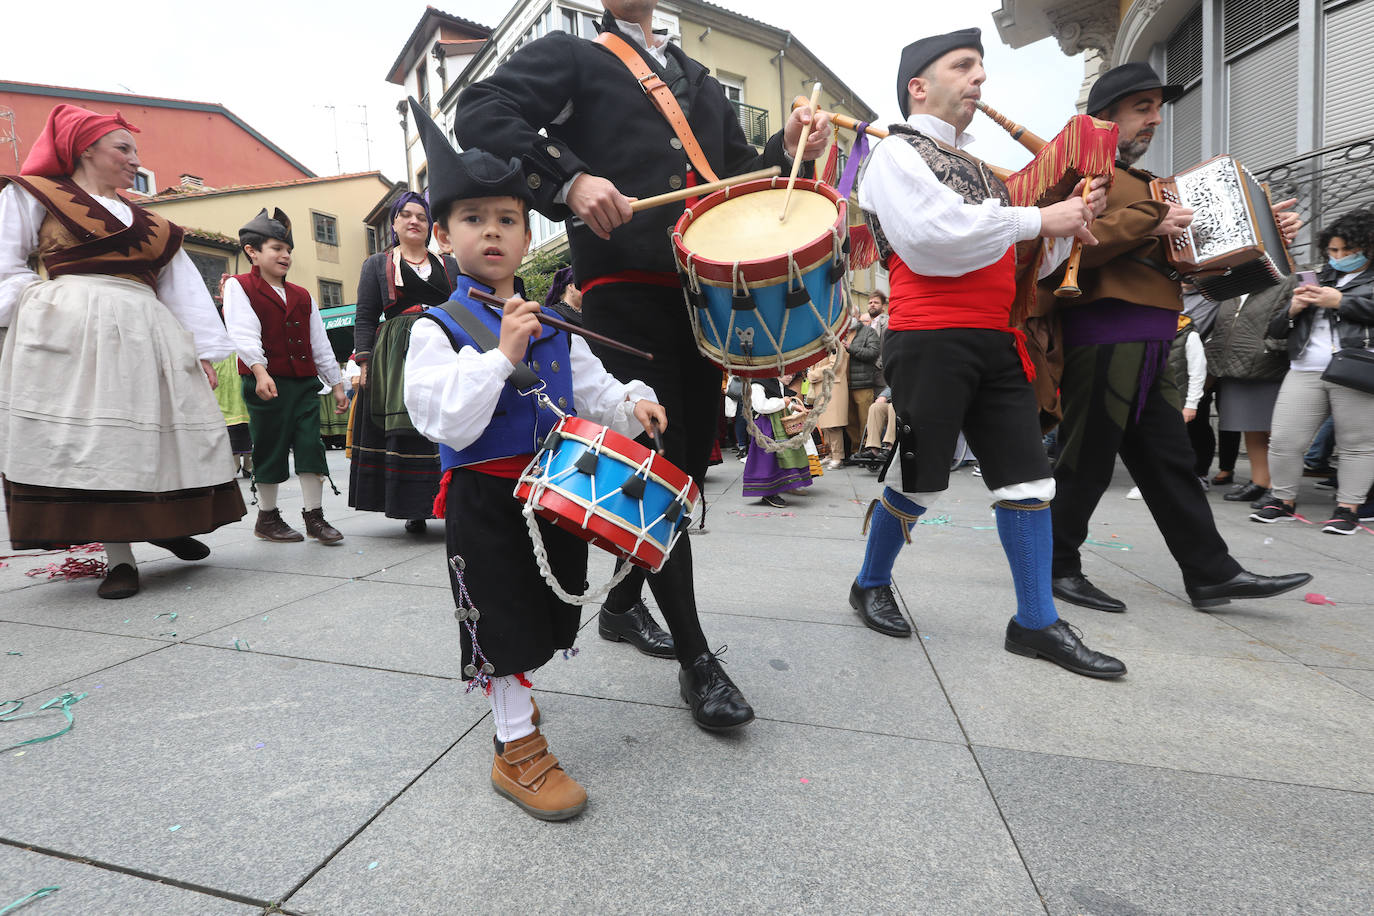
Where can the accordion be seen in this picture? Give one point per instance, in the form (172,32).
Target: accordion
(1233,246)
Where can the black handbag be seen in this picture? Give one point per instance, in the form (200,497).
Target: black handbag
(1353,368)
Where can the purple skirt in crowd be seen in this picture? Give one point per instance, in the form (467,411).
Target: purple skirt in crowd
(765,475)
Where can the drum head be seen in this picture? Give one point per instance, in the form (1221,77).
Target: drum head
(747,228)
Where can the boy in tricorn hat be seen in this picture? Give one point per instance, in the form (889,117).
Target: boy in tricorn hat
(282,349)
(465,395)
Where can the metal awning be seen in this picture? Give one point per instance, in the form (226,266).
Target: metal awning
(339,316)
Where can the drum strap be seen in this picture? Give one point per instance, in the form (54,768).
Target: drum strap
(662,97)
(523,377)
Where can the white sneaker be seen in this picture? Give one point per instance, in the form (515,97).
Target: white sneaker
(1134,493)
(834,464)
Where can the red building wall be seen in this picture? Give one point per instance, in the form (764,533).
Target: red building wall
(176,137)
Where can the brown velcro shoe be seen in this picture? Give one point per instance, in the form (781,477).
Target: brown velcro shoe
(272,527)
(525,772)
(318,528)
(120,582)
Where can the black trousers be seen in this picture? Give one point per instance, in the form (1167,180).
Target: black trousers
(654,318)
(1203,439)
(1101,392)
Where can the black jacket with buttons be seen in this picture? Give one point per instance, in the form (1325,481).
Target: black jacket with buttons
(1353,319)
(614,132)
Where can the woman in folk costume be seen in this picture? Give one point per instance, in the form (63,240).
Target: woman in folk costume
(109,430)
(394,469)
(768,475)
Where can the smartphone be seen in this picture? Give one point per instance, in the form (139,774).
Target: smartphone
(1307,278)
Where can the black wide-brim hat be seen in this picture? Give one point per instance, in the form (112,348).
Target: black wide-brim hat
(922,53)
(1127,79)
(472,173)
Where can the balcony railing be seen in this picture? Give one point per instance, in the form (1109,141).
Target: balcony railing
(754,121)
(1328,183)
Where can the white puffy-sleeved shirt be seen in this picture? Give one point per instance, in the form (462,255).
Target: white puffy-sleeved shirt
(451,396)
(246,330)
(179,285)
(928,225)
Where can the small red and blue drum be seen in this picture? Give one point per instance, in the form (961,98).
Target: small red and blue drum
(610,491)
(766,295)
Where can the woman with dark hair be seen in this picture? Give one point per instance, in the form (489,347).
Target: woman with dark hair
(108,428)
(1336,313)
(394,469)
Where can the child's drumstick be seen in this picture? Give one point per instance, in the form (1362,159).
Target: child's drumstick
(801,144)
(496,302)
(655,436)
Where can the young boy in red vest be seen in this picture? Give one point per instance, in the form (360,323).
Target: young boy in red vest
(283,352)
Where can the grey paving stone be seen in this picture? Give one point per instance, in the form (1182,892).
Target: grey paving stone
(202,595)
(48,657)
(1109,839)
(375,624)
(1361,680)
(172,741)
(1337,635)
(681,821)
(1234,717)
(88,890)
(354,557)
(794,672)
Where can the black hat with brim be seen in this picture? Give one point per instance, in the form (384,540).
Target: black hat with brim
(277,226)
(455,176)
(921,54)
(1127,79)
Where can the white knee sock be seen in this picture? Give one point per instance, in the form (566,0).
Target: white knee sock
(312,491)
(512,708)
(267,496)
(119,553)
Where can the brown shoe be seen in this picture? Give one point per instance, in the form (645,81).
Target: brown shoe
(525,772)
(272,527)
(318,528)
(120,582)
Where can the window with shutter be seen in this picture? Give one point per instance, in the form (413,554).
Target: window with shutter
(1262,114)
(1183,53)
(1247,23)
(1347,77)
(1185,118)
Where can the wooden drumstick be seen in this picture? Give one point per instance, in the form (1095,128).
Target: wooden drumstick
(699,190)
(496,302)
(1069,288)
(801,144)
(655,435)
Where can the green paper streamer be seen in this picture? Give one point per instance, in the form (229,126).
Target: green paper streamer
(36,895)
(64,703)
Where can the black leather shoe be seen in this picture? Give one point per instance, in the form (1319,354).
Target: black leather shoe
(878,609)
(184,548)
(415,526)
(1076,589)
(1245,584)
(637,628)
(717,705)
(1244,492)
(1061,644)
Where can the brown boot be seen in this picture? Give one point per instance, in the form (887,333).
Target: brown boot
(120,582)
(525,772)
(318,528)
(272,527)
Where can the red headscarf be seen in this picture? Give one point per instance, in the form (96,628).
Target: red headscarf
(69,131)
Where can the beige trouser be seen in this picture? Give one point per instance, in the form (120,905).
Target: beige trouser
(882,425)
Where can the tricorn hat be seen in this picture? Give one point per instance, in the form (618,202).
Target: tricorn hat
(1119,82)
(472,173)
(922,53)
(277,226)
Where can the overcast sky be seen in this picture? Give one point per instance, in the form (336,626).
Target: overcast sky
(278,65)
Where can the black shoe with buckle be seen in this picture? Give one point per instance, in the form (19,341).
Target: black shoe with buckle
(1244,585)
(1076,589)
(717,704)
(878,609)
(1061,644)
(637,628)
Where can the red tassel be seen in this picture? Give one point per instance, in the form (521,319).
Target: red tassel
(441,498)
(863,249)
(831,172)
(524,681)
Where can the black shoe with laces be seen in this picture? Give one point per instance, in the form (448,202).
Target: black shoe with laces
(638,628)
(774,500)
(717,704)
(1343,521)
(1061,643)
(1273,510)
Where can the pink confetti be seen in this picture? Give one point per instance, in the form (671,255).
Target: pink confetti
(1314,598)
(805,781)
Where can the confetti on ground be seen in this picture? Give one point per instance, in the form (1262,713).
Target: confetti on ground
(36,895)
(984,527)
(1108,544)
(258,745)
(174,828)
(166,634)
(371,865)
(805,781)
(241,645)
(937,520)
(1314,598)
(12,652)
(170,615)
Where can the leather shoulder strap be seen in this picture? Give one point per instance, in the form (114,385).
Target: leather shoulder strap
(523,377)
(663,100)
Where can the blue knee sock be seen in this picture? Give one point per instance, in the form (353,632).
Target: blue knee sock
(1028,540)
(887,534)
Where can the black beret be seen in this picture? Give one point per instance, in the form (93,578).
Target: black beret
(472,173)
(1119,82)
(277,226)
(921,54)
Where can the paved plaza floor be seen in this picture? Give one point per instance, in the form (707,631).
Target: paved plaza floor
(297,739)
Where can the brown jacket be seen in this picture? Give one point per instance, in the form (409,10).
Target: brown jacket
(1110,269)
